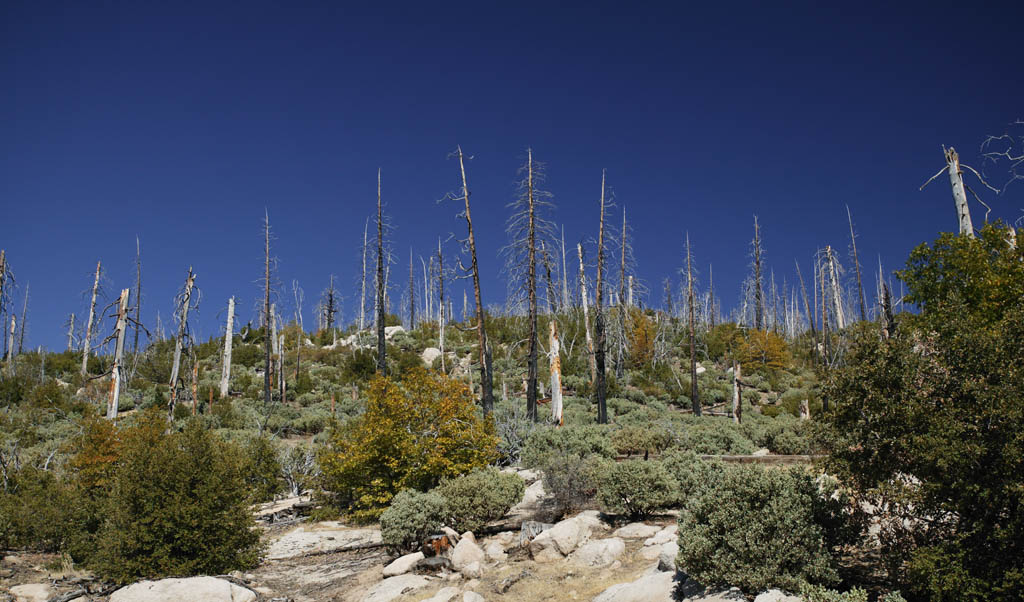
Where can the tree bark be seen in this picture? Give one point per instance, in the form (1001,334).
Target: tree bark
(412,294)
(531,284)
(362,289)
(737,406)
(694,393)
(758,289)
(711,296)
(486,393)
(115,371)
(621,347)
(71,331)
(138,296)
(381,349)
(225,371)
(837,300)
(556,375)
(268,317)
(88,325)
(599,388)
(956,179)
(586,317)
(186,302)
(442,317)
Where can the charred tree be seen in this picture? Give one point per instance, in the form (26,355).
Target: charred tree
(268,315)
(694,394)
(381,346)
(229,329)
(586,318)
(86,341)
(856,267)
(599,387)
(184,303)
(115,371)
(758,279)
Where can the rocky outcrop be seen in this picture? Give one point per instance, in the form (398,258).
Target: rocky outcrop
(776,595)
(403,565)
(564,537)
(466,552)
(208,589)
(654,587)
(636,531)
(599,552)
(393,587)
(321,538)
(32,592)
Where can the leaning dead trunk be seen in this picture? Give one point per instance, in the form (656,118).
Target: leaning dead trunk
(115,371)
(88,325)
(229,328)
(186,301)
(556,375)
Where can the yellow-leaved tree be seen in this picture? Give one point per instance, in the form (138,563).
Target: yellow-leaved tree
(413,434)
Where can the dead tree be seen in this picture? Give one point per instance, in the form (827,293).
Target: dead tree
(737,385)
(229,329)
(88,325)
(545,258)
(856,267)
(362,289)
(184,303)
(412,294)
(599,388)
(10,342)
(442,315)
(71,331)
(381,350)
(138,296)
(620,348)
(267,344)
(527,228)
(486,377)
(555,363)
(758,279)
(837,299)
(694,397)
(711,297)
(586,317)
(565,276)
(300,296)
(24,321)
(329,309)
(807,305)
(115,371)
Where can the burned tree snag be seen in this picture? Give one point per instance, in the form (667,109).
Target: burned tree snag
(486,382)
(737,385)
(856,266)
(807,305)
(115,371)
(711,296)
(88,325)
(531,284)
(442,317)
(225,371)
(381,349)
(586,317)
(412,294)
(185,303)
(956,180)
(138,297)
(837,300)
(362,289)
(694,394)
(268,316)
(599,388)
(556,374)
(758,280)
(71,331)
(565,276)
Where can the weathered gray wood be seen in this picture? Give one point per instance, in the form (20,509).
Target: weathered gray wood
(737,384)
(956,180)
(229,329)
(694,393)
(586,316)
(599,388)
(88,325)
(186,302)
(555,363)
(115,371)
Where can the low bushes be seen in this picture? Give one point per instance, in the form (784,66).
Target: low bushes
(758,529)
(411,518)
(635,488)
(479,497)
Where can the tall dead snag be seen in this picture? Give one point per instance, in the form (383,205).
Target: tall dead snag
(115,371)
(758,280)
(486,380)
(138,296)
(956,180)
(856,266)
(412,294)
(737,384)
(229,329)
(268,316)
(88,325)
(362,289)
(711,296)
(807,305)
(837,299)
(329,309)
(442,316)
(381,358)
(184,303)
(565,276)
(555,362)
(620,348)
(300,296)
(527,228)
(599,388)
(552,298)
(71,331)
(24,322)
(694,397)
(586,317)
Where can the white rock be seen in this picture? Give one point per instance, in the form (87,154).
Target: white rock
(472,597)
(761,452)
(722,595)
(650,552)
(472,570)
(393,587)
(507,539)
(445,594)
(599,552)
(453,537)
(564,537)
(495,551)
(207,589)
(776,595)
(32,592)
(529,475)
(667,557)
(655,587)
(466,552)
(390,331)
(429,355)
(636,531)
(402,565)
(316,538)
(664,536)
(701,369)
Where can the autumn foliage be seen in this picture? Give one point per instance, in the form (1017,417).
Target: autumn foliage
(413,434)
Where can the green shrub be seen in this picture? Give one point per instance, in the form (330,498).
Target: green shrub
(34,513)
(641,439)
(693,476)
(817,593)
(475,499)
(571,480)
(714,436)
(177,505)
(261,468)
(579,441)
(636,488)
(757,529)
(411,518)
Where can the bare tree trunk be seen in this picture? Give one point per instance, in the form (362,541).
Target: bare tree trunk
(621,347)
(556,374)
(758,288)
(807,305)
(486,382)
(229,329)
(282,381)
(711,295)
(115,371)
(599,388)
(362,289)
(694,396)
(956,179)
(442,317)
(531,284)
(87,341)
(586,317)
(856,265)
(551,296)
(71,331)
(565,276)
(837,299)
(195,385)
(24,321)
(805,410)
(10,342)
(276,348)
(138,295)
(737,406)
(412,294)
(186,302)
(775,304)
(267,344)
(381,350)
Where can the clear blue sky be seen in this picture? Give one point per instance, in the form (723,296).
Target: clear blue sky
(180,122)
